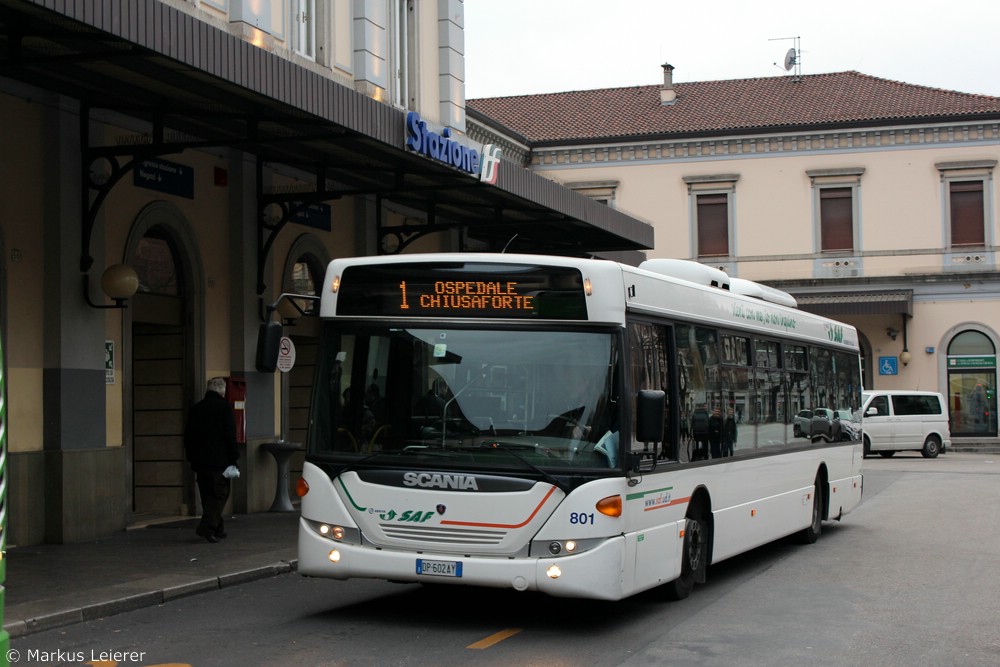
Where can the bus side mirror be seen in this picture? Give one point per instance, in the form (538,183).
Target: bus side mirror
(650,405)
(268,346)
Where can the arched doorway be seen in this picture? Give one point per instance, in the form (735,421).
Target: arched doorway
(972,385)
(304,274)
(166,358)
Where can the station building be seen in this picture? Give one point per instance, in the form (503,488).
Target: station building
(871,201)
(170,169)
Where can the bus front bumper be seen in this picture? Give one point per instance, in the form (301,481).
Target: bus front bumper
(596,574)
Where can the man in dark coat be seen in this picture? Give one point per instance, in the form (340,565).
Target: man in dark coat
(715,433)
(210,445)
(699,433)
(729,434)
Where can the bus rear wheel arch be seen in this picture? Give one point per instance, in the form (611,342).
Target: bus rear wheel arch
(820,510)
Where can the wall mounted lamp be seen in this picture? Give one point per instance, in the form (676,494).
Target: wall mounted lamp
(119,282)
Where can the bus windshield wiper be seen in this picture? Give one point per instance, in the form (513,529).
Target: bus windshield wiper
(549,477)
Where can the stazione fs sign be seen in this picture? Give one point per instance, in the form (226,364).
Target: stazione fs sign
(481,162)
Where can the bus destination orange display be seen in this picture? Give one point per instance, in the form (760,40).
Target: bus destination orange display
(463,289)
(468,295)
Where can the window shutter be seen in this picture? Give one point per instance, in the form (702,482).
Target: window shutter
(713,225)
(967,223)
(836,210)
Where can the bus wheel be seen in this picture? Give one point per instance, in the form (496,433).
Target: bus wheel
(868,448)
(886,453)
(812,533)
(693,558)
(932,447)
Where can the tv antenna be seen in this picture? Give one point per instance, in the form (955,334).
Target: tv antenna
(793,57)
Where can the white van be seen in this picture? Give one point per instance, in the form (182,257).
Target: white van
(895,420)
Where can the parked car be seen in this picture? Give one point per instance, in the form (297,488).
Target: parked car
(834,425)
(800,423)
(905,420)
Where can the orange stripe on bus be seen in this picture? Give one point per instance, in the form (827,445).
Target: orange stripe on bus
(503,525)
(677,501)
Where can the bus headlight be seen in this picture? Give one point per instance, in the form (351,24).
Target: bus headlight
(334,556)
(336,532)
(563,547)
(553,572)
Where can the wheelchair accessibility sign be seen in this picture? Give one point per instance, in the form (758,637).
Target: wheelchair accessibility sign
(888,366)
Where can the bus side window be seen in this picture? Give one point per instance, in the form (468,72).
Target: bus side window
(650,370)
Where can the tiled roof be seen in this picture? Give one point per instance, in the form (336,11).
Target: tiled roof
(726,107)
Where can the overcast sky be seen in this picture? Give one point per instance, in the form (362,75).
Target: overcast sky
(516,47)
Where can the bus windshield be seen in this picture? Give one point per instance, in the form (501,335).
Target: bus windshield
(467,397)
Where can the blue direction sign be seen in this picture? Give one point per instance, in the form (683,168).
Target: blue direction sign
(165,176)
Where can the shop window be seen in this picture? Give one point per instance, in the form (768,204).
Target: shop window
(972,385)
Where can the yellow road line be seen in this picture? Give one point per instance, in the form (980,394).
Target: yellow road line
(495,638)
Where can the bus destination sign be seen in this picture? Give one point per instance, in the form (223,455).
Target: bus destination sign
(462,290)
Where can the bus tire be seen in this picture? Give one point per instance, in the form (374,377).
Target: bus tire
(886,453)
(811,534)
(932,447)
(868,448)
(694,556)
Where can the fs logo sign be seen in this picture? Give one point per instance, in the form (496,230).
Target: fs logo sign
(443,147)
(490,164)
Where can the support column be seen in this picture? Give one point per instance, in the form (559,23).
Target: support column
(84,479)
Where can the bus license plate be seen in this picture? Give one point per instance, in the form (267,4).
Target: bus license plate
(439,568)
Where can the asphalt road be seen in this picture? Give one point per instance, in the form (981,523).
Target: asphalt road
(909,578)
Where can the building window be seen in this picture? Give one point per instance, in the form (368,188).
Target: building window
(967,207)
(836,219)
(836,211)
(599,191)
(304,28)
(711,205)
(155,262)
(713,225)
(402,53)
(965,199)
(304,281)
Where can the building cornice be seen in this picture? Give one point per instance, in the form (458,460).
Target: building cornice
(755,146)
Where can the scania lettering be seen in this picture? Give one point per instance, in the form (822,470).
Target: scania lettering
(430,481)
(525,422)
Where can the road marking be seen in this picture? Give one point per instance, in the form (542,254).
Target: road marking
(495,638)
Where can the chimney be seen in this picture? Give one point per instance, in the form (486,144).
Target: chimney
(667,94)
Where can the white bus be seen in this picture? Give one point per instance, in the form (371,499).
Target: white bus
(571,426)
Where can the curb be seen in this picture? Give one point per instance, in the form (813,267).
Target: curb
(59,619)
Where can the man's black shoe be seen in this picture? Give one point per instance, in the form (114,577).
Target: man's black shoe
(220,534)
(207,534)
